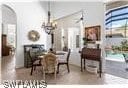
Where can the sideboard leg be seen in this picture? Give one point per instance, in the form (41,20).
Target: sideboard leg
(84,63)
(100,68)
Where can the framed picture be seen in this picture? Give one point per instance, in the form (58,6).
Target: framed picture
(92,34)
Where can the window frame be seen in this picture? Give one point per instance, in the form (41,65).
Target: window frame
(116,17)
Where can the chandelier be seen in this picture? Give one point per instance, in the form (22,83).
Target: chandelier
(49,26)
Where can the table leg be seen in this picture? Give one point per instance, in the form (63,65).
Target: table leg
(81,65)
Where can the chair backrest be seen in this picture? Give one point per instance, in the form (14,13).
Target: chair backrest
(32,54)
(49,62)
(68,55)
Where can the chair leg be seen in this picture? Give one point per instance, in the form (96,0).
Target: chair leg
(68,68)
(44,76)
(58,68)
(31,70)
(81,65)
(34,68)
(55,74)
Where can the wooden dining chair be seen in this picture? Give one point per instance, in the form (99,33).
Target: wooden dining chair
(35,61)
(64,61)
(49,64)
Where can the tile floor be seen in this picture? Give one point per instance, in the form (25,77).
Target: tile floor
(75,76)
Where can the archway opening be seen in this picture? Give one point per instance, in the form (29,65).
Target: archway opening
(8,41)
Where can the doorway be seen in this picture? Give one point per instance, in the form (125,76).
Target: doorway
(8,41)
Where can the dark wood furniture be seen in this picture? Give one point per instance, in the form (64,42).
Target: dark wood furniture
(64,62)
(5,48)
(27,59)
(91,54)
(35,61)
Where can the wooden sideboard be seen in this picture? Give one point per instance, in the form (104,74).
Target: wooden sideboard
(5,48)
(91,54)
(27,60)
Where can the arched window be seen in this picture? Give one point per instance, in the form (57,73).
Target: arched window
(117,22)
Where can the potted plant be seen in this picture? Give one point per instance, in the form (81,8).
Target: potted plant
(124,45)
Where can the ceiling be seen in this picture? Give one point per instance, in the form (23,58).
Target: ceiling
(106,1)
(111,5)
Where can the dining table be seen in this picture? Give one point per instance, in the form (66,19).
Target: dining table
(58,54)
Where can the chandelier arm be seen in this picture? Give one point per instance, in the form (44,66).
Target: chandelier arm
(49,6)
(48,16)
(49,12)
(49,26)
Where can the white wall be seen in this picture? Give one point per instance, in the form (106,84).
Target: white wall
(8,17)
(0,31)
(0,38)
(94,15)
(92,9)
(29,17)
